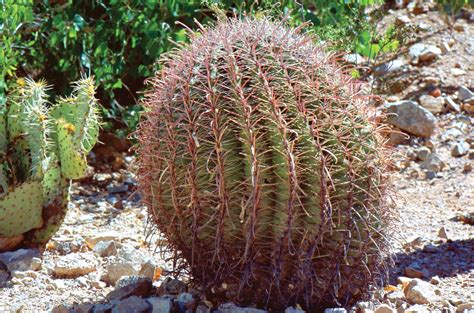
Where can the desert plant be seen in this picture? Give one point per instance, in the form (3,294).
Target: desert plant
(42,148)
(261,167)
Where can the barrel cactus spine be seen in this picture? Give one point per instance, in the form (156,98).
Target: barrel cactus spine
(43,147)
(263,170)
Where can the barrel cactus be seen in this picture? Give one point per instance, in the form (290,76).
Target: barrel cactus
(263,169)
(42,148)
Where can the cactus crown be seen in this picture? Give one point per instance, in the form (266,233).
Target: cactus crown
(260,166)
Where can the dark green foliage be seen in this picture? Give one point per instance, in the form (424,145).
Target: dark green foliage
(119,41)
(262,169)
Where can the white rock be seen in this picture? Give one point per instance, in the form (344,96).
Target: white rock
(119,268)
(461,148)
(451,105)
(457,71)
(105,248)
(91,241)
(429,53)
(432,104)
(420,292)
(75,264)
(417,309)
(384,308)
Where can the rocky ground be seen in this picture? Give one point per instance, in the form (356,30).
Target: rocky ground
(104,255)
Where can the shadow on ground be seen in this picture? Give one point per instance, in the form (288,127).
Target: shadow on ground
(445,260)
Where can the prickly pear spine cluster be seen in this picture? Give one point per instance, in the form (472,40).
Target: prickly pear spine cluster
(262,169)
(43,146)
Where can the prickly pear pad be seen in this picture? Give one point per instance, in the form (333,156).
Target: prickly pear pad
(21,209)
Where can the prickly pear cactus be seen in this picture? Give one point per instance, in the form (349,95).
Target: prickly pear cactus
(42,148)
(262,169)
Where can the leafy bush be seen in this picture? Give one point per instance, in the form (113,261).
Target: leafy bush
(119,41)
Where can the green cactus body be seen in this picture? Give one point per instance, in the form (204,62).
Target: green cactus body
(73,160)
(45,148)
(21,209)
(261,167)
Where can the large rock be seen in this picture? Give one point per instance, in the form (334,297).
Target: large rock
(411,117)
(420,292)
(75,265)
(19,260)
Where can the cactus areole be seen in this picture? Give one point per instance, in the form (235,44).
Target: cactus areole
(262,169)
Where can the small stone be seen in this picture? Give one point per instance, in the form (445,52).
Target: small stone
(436,93)
(160,305)
(459,26)
(415,50)
(389,67)
(417,308)
(413,273)
(445,48)
(430,53)
(442,233)
(420,292)
(468,107)
(435,280)
(432,104)
(105,248)
(355,58)
(465,307)
(464,93)
(411,117)
(402,20)
(384,308)
(91,241)
(422,153)
(60,309)
(75,265)
(132,304)
(457,71)
(461,148)
(433,163)
(19,260)
(137,286)
(394,296)
(451,105)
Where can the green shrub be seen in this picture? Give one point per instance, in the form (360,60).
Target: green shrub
(119,41)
